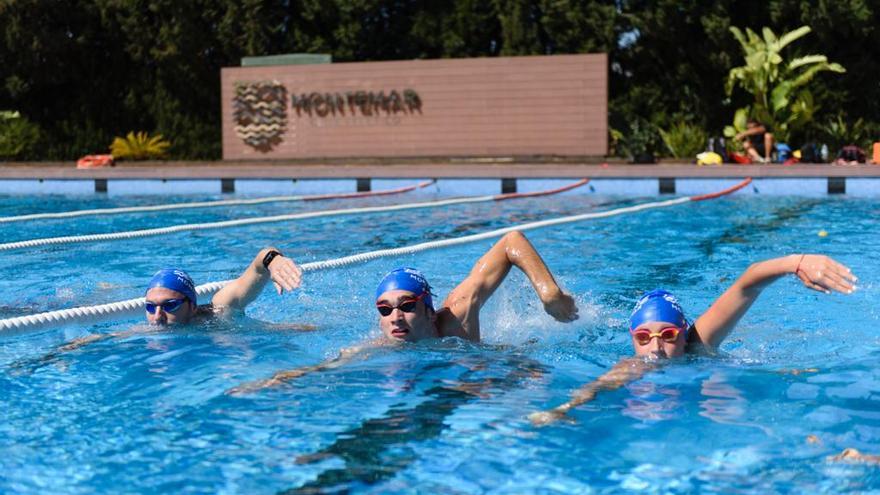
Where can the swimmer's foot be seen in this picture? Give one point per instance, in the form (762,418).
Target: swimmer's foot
(853,455)
(248,388)
(544,418)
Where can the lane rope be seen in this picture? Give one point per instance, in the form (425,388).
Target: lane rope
(211,204)
(10,326)
(132,234)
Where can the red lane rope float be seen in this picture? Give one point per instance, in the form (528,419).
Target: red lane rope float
(548,192)
(132,234)
(364,194)
(725,192)
(208,204)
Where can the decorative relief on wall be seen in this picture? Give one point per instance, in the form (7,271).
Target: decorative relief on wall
(260,113)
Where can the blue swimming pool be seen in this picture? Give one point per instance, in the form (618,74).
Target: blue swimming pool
(798,380)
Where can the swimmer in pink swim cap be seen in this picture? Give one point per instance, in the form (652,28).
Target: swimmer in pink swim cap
(659,330)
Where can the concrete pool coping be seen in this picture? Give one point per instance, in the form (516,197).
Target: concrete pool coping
(421,169)
(453,177)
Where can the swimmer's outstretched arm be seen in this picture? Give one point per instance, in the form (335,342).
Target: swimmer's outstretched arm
(73,345)
(345,356)
(625,371)
(487,274)
(816,271)
(283,272)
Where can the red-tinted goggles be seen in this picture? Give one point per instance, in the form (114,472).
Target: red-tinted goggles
(643,336)
(407,306)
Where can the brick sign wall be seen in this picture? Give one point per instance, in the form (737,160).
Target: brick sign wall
(552,105)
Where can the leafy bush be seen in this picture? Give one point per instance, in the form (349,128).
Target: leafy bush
(615,139)
(684,140)
(641,142)
(838,132)
(139,146)
(781,97)
(18,135)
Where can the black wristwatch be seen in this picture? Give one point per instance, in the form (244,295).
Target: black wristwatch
(269,257)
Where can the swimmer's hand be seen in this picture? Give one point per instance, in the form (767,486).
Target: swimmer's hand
(823,274)
(285,274)
(562,307)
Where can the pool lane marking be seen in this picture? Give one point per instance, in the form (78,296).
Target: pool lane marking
(210,204)
(723,192)
(10,326)
(502,197)
(132,234)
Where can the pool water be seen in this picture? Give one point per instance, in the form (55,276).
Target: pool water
(797,380)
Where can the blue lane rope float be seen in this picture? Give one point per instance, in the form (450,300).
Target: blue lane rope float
(20,324)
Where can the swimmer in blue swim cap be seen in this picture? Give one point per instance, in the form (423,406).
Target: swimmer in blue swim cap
(406,310)
(659,329)
(404,301)
(171,294)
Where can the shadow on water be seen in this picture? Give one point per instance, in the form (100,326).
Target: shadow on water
(446,230)
(743,233)
(379,448)
(688,272)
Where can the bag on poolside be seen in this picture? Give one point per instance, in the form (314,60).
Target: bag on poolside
(709,158)
(783,152)
(851,153)
(719,146)
(811,153)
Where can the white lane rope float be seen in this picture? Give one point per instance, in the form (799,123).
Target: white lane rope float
(11,326)
(133,234)
(211,204)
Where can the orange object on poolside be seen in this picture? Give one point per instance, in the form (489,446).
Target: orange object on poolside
(741,159)
(95,161)
(876,158)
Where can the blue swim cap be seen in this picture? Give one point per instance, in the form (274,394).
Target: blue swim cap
(408,279)
(174,279)
(657,305)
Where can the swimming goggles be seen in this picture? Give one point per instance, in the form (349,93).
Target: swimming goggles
(407,306)
(169,306)
(668,335)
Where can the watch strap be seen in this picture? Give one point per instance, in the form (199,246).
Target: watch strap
(269,257)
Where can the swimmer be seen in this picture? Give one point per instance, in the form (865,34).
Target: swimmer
(171,299)
(171,294)
(659,330)
(404,302)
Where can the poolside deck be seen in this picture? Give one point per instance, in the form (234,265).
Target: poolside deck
(419,168)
